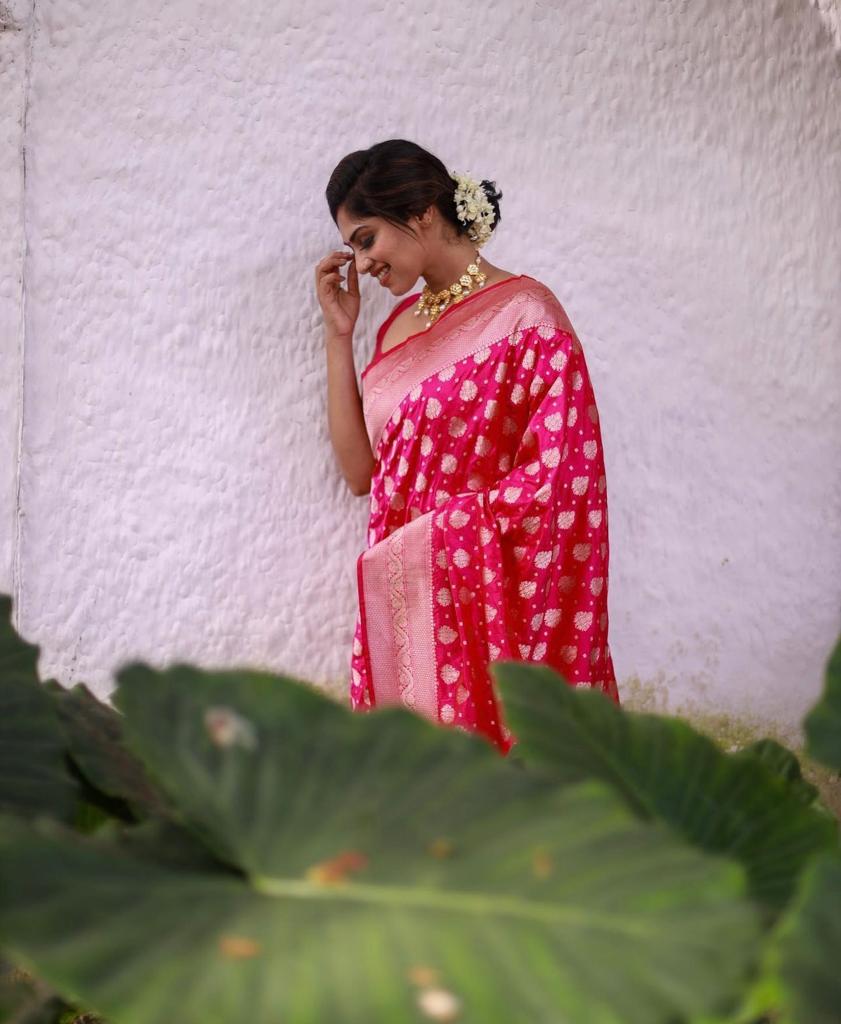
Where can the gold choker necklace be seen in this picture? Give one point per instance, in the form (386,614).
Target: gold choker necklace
(433,304)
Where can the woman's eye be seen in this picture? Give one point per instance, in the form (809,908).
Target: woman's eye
(367,243)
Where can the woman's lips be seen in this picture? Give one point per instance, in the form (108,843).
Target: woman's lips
(386,277)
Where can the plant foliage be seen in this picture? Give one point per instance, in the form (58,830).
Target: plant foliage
(257,852)
(664,770)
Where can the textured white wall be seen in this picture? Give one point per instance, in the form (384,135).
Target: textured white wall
(671,170)
(830,12)
(13,60)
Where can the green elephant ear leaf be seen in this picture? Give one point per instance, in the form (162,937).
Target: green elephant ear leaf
(823,723)
(805,951)
(25,999)
(34,778)
(665,770)
(94,736)
(379,868)
(783,763)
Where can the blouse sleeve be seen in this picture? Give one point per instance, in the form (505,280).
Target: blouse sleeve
(514,570)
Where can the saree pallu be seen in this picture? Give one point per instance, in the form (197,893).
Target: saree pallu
(488,530)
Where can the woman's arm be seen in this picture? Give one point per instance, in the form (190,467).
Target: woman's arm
(344,415)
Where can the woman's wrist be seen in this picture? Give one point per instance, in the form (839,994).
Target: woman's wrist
(332,336)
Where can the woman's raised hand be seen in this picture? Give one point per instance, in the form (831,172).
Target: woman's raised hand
(340,306)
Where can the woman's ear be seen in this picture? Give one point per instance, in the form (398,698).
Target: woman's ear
(426,218)
(420,223)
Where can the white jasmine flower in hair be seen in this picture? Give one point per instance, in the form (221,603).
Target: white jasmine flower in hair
(473,207)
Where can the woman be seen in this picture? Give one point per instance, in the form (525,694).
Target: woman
(478,438)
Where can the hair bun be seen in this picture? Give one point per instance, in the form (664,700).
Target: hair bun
(494,196)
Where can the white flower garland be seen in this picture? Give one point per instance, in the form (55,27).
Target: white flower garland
(473,207)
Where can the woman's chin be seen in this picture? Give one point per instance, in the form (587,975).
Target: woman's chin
(398,287)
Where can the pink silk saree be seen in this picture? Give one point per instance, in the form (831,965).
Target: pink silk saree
(488,532)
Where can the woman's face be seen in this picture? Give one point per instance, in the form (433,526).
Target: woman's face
(378,246)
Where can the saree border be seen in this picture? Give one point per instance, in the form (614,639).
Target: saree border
(395,587)
(531,304)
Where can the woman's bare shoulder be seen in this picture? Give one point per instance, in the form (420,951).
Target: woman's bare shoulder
(402,326)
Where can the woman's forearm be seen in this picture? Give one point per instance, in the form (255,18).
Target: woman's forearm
(344,416)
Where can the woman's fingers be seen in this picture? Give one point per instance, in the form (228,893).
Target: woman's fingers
(330,262)
(352,279)
(327,271)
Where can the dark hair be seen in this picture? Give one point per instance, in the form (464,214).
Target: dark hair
(396,180)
